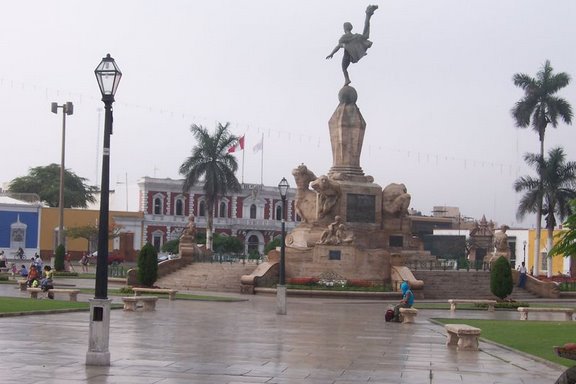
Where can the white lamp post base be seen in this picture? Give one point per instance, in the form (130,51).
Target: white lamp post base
(98,353)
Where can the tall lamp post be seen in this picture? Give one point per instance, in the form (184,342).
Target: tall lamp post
(281,287)
(108,75)
(524,243)
(67,109)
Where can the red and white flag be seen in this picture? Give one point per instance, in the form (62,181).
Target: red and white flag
(239,146)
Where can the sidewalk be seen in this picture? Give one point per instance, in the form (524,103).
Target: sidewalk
(319,341)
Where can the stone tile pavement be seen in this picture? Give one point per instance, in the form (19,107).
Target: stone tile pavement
(319,341)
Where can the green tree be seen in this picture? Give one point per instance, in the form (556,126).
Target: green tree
(227,244)
(45,182)
(557,185)
(501,283)
(171,246)
(90,233)
(211,163)
(147,265)
(538,108)
(59,258)
(273,244)
(566,244)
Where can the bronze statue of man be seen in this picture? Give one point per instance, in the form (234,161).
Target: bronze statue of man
(355,45)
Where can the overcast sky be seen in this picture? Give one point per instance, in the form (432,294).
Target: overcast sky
(435,89)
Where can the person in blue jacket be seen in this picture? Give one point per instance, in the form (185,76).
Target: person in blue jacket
(407,300)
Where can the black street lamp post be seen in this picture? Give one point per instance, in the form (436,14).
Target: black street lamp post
(281,287)
(524,252)
(108,75)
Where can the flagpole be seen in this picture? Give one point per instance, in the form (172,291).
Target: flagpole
(262,161)
(243,165)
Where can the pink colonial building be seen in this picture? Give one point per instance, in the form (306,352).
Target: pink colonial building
(253,215)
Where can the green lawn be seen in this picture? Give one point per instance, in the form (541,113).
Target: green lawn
(179,296)
(533,337)
(19,305)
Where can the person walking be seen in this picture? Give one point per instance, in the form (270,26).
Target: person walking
(522,278)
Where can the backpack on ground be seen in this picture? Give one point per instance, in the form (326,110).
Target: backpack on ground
(389,315)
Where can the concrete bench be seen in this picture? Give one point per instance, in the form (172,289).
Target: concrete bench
(171,292)
(23,284)
(72,293)
(463,336)
(408,315)
(454,302)
(568,312)
(148,302)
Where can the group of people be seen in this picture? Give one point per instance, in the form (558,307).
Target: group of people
(37,274)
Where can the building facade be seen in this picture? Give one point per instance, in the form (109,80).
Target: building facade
(254,214)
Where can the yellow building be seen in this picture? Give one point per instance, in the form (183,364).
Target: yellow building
(559,265)
(127,243)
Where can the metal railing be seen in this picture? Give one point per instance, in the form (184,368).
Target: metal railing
(448,265)
(116,270)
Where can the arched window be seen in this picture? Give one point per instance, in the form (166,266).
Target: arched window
(202,208)
(253,244)
(157,205)
(223,212)
(179,207)
(279,212)
(253,211)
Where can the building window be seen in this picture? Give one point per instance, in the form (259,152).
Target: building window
(253,211)
(253,245)
(223,209)
(202,208)
(157,240)
(157,205)
(179,207)
(279,212)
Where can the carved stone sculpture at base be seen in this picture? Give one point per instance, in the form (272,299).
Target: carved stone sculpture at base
(328,194)
(305,204)
(395,200)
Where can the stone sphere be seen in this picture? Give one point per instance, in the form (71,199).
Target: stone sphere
(347,95)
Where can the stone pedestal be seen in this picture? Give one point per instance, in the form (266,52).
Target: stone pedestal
(98,353)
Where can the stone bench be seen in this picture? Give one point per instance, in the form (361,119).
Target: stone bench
(148,302)
(171,292)
(408,315)
(454,302)
(463,336)
(568,312)
(23,284)
(72,293)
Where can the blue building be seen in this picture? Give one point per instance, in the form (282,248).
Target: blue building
(19,226)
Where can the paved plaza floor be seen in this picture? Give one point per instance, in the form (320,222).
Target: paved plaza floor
(319,341)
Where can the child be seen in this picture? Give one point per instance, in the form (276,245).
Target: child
(46,283)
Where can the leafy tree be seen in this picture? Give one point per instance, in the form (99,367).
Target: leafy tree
(171,246)
(501,283)
(147,265)
(227,244)
(59,258)
(272,245)
(90,233)
(538,108)
(557,184)
(45,182)
(211,161)
(566,244)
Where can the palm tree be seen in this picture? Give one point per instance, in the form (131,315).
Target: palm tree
(555,187)
(211,162)
(538,108)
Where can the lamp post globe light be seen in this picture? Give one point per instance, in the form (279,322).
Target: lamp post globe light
(281,287)
(67,109)
(108,76)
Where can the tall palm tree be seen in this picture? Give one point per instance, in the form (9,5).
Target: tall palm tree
(211,162)
(556,187)
(538,108)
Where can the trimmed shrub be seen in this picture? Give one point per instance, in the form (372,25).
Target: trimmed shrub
(501,283)
(147,265)
(59,258)
(171,246)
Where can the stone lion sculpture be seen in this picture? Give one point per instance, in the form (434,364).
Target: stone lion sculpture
(395,200)
(305,204)
(328,194)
